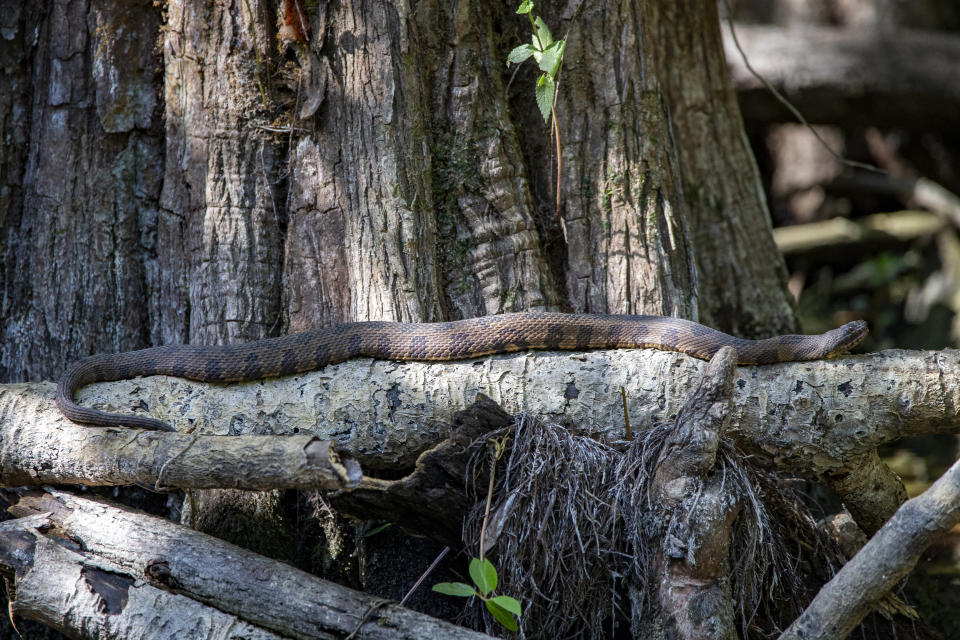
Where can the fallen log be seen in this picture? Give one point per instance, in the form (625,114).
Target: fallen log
(821,419)
(118,573)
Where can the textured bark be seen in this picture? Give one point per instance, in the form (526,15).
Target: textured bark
(821,419)
(628,234)
(361,241)
(70,454)
(83,600)
(408,199)
(79,239)
(737,260)
(221,221)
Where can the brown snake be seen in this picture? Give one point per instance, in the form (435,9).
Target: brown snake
(457,340)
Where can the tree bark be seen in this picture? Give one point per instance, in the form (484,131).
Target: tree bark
(79,228)
(737,261)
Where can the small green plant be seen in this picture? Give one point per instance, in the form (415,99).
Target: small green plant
(504,608)
(548,54)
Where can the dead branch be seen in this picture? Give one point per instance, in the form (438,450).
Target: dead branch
(78,596)
(821,419)
(881,563)
(691,494)
(871,233)
(898,77)
(130,575)
(437,483)
(33,454)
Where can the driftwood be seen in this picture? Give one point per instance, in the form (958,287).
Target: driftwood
(73,454)
(897,77)
(821,419)
(881,563)
(113,572)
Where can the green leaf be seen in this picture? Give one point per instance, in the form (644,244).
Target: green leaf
(525,7)
(520,54)
(544,32)
(558,47)
(549,60)
(508,603)
(454,589)
(484,575)
(545,89)
(503,616)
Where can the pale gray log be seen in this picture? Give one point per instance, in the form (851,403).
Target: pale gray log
(33,451)
(53,586)
(817,419)
(255,589)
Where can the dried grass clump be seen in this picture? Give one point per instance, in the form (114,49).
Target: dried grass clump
(574,528)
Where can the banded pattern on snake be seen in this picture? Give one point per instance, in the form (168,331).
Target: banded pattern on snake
(456,340)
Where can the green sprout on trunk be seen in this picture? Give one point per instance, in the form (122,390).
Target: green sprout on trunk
(548,54)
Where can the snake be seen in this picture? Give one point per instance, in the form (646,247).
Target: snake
(428,341)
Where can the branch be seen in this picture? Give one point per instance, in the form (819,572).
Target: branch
(821,419)
(881,563)
(125,574)
(899,77)
(871,233)
(693,567)
(34,453)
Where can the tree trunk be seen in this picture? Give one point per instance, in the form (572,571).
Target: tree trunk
(241,185)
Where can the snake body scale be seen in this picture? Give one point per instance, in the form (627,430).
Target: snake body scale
(460,339)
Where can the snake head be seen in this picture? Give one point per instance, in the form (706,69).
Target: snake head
(842,339)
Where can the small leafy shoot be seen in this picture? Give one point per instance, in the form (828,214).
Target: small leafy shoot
(502,615)
(545,91)
(548,54)
(504,609)
(484,575)
(459,589)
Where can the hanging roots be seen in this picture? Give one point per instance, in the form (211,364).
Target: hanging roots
(573,522)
